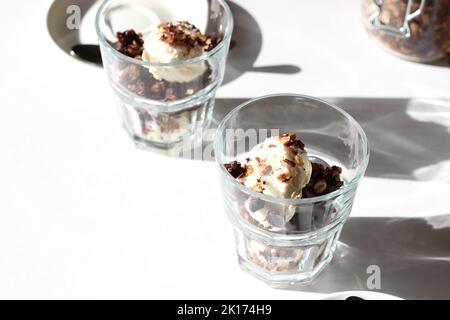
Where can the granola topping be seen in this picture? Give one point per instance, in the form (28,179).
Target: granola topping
(323,180)
(184,35)
(235,169)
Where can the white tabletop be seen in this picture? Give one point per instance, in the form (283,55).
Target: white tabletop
(83,214)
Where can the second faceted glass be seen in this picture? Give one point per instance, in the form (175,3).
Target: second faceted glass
(284,240)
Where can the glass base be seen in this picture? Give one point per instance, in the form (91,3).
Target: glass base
(286,280)
(167,130)
(282,266)
(187,141)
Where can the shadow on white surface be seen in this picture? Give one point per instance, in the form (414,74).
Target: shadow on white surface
(409,138)
(247,39)
(413,255)
(57,15)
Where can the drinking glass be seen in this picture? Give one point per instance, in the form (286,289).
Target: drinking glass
(165,111)
(302,235)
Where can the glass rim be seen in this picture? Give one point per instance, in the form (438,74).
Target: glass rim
(218,143)
(221,46)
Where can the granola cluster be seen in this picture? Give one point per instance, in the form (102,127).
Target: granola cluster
(323,180)
(290,141)
(430,31)
(131,43)
(140,81)
(184,35)
(235,169)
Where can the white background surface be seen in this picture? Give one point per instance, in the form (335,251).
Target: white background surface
(85,215)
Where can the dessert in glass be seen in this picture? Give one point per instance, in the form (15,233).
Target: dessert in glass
(164,61)
(289,167)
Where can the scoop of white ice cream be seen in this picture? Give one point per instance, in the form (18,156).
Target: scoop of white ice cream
(278,167)
(272,217)
(171,43)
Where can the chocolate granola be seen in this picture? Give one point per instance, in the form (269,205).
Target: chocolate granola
(430,30)
(184,35)
(131,43)
(235,169)
(290,139)
(323,180)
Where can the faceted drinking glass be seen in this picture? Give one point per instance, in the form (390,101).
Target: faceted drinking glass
(303,233)
(163,112)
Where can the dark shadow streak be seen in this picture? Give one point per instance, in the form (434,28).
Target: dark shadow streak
(399,143)
(413,255)
(65,38)
(282,69)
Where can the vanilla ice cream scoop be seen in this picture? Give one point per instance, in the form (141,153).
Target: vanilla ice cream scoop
(278,167)
(172,43)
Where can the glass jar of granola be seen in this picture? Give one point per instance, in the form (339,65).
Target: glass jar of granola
(417,30)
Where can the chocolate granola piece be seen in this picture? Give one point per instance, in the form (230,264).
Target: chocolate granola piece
(323,180)
(144,117)
(235,169)
(170,94)
(131,43)
(186,36)
(211,43)
(157,89)
(137,87)
(131,73)
(284,177)
(290,162)
(320,186)
(290,139)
